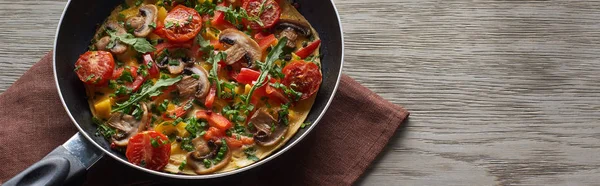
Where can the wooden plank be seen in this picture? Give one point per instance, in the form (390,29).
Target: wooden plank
(501,92)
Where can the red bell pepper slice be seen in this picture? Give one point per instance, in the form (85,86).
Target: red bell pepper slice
(214,119)
(233,142)
(219,21)
(213,134)
(264,41)
(210,98)
(247,76)
(137,83)
(153,70)
(308,50)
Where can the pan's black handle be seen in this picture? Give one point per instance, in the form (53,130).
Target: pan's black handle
(65,165)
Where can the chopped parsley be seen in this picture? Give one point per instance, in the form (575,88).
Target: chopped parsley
(251,154)
(103,129)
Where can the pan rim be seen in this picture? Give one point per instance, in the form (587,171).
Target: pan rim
(208,176)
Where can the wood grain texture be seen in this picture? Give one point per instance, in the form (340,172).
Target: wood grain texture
(500,92)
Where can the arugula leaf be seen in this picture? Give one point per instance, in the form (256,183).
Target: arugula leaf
(205,45)
(147,91)
(266,67)
(214,59)
(139,44)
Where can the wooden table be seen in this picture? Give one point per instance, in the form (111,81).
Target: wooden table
(501,92)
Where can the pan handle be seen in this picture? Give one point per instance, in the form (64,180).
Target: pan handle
(65,165)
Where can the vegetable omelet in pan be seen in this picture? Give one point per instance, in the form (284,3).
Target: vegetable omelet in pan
(201,86)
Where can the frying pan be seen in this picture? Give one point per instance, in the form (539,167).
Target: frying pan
(68,163)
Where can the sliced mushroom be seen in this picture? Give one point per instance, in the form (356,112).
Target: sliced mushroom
(119,47)
(175,69)
(127,126)
(206,151)
(240,45)
(102,43)
(267,131)
(292,29)
(142,21)
(195,83)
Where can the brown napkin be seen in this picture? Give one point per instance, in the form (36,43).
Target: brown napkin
(356,127)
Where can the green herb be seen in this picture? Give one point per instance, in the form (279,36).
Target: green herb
(267,66)
(207,163)
(137,112)
(182,165)
(103,129)
(169,24)
(190,19)
(250,154)
(138,2)
(186,144)
(222,151)
(305,124)
(126,76)
(90,77)
(288,91)
(204,44)
(205,8)
(152,25)
(147,91)
(122,90)
(214,59)
(283,114)
(163,106)
(77,68)
(235,16)
(154,142)
(139,44)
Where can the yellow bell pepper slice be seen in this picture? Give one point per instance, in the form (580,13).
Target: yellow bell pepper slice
(103,108)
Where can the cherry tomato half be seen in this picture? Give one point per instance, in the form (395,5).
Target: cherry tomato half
(182,24)
(268,17)
(149,149)
(95,67)
(305,77)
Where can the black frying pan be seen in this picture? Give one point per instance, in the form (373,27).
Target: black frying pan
(79,22)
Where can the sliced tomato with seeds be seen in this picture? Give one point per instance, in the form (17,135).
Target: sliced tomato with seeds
(149,149)
(267,12)
(302,76)
(95,67)
(182,24)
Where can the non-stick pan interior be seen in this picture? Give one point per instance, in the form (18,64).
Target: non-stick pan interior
(82,17)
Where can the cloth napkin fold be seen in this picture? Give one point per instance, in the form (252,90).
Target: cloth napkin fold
(354,130)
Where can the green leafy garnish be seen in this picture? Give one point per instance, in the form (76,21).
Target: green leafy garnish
(205,8)
(214,59)
(305,124)
(103,129)
(250,154)
(139,44)
(266,67)
(182,165)
(147,91)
